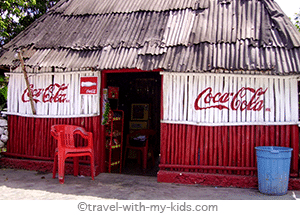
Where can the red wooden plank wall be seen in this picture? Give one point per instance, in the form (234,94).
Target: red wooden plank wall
(30,137)
(222,149)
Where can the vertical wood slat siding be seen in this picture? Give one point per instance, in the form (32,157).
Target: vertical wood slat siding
(191,148)
(181,92)
(76,105)
(30,137)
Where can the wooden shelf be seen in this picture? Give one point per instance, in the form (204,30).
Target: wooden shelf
(114,139)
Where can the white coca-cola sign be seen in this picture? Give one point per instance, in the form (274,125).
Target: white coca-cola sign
(229,99)
(54,93)
(254,101)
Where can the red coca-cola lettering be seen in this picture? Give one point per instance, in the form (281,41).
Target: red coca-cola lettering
(54,93)
(238,101)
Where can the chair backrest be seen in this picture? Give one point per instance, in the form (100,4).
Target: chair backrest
(65,134)
(141,132)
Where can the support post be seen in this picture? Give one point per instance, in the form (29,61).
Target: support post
(27,82)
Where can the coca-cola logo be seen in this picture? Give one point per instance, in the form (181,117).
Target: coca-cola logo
(54,93)
(88,85)
(233,101)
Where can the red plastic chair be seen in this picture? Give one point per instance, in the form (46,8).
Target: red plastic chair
(143,148)
(64,134)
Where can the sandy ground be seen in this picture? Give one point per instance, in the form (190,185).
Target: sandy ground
(32,185)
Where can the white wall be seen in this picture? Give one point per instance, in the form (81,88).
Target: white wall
(54,94)
(227,99)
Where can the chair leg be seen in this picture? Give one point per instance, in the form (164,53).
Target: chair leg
(92,167)
(145,157)
(61,168)
(152,158)
(76,165)
(55,165)
(139,153)
(124,159)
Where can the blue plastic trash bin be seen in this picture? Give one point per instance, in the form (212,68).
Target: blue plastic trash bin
(273,169)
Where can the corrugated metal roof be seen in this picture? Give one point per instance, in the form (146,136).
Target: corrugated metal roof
(202,57)
(79,7)
(172,35)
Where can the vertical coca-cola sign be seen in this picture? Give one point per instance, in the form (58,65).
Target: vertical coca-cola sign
(88,85)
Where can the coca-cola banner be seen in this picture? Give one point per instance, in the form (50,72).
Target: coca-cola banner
(219,99)
(53,95)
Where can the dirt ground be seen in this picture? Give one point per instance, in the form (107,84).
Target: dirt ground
(32,185)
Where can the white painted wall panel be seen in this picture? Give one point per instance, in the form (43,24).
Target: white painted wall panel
(55,94)
(213,99)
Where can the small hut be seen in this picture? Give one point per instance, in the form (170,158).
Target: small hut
(218,77)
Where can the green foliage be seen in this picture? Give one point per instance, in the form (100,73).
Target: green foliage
(3,91)
(297,19)
(106,113)
(16,15)
(298,25)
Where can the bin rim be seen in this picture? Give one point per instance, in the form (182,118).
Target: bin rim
(272,148)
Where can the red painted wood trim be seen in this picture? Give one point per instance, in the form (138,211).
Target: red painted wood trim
(102,149)
(211,146)
(197,147)
(230,154)
(252,147)
(295,152)
(181,145)
(177,146)
(42,166)
(206,145)
(248,148)
(38,158)
(163,139)
(224,134)
(207,179)
(277,139)
(188,145)
(16,155)
(282,136)
(288,135)
(129,70)
(168,147)
(216,179)
(193,144)
(240,147)
(215,146)
(30,137)
(234,142)
(272,134)
(232,146)
(177,166)
(243,147)
(202,150)
(162,97)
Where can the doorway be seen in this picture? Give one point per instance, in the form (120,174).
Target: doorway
(138,89)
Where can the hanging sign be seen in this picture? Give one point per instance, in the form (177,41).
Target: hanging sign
(113,92)
(88,85)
